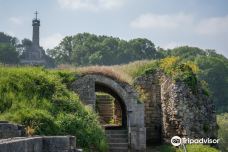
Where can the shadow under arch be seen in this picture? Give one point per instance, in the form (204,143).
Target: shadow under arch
(101,87)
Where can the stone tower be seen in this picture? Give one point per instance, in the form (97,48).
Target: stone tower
(34,54)
(36,30)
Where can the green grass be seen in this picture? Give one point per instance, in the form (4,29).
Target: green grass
(190,148)
(222,121)
(40,100)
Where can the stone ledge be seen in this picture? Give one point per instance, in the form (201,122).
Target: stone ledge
(39,144)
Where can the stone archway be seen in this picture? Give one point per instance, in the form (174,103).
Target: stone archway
(118,102)
(133,110)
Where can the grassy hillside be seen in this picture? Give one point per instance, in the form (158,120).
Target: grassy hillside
(40,100)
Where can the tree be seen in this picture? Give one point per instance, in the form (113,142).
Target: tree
(214,70)
(86,49)
(142,49)
(4,38)
(8,54)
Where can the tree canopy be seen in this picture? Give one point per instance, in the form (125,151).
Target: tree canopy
(89,49)
(8,52)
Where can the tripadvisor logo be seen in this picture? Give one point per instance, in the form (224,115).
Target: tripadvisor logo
(177,141)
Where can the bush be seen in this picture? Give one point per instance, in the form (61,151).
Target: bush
(222,121)
(40,100)
(174,67)
(190,148)
(199,148)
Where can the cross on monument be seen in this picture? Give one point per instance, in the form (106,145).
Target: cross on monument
(36,14)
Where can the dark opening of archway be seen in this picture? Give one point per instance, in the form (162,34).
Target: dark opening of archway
(110,107)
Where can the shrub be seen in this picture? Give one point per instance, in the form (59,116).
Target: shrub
(40,100)
(174,67)
(222,121)
(190,148)
(199,148)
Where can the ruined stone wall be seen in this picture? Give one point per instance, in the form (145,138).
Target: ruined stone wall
(186,114)
(85,87)
(149,88)
(12,139)
(172,109)
(39,144)
(9,130)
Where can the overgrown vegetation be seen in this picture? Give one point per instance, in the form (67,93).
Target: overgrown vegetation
(190,148)
(184,71)
(179,71)
(222,121)
(40,100)
(213,71)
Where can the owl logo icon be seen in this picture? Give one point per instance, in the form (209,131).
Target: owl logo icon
(176,141)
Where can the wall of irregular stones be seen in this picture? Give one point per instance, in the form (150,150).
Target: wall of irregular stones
(172,109)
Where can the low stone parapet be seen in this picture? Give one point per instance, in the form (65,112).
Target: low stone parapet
(39,144)
(9,130)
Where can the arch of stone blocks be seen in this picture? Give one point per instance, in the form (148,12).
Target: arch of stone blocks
(162,114)
(87,85)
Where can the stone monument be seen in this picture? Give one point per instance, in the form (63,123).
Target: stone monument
(34,54)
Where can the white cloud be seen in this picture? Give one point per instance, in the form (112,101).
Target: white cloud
(213,26)
(91,5)
(51,41)
(16,20)
(167,21)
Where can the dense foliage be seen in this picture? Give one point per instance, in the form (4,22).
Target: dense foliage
(190,148)
(222,121)
(213,70)
(40,100)
(89,49)
(180,71)
(8,53)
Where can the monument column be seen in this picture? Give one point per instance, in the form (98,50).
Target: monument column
(36,35)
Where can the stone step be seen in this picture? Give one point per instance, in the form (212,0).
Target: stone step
(118,140)
(118,145)
(118,150)
(105,109)
(104,101)
(116,132)
(117,136)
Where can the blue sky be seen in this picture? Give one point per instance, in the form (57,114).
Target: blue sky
(168,23)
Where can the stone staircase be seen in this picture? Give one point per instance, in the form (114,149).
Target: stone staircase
(117,140)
